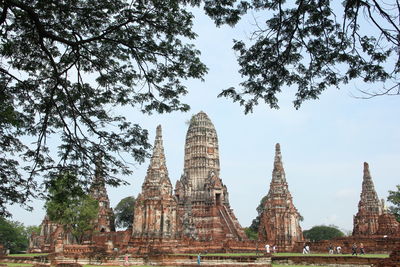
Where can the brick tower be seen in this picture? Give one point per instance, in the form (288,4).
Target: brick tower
(203,204)
(105,218)
(365,222)
(387,223)
(155,208)
(279,223)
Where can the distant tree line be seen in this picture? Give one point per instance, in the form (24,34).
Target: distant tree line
(14,236)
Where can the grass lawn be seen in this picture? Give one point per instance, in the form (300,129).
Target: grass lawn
(289,254)
(220,254)
(28,255)
(330,255)
(276,265)
(127,266)
(16,264)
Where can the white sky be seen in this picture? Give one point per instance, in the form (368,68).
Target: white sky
(324,143)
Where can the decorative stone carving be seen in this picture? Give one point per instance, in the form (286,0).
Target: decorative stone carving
(279,223)
(203,204)
(155,207)
(365,222)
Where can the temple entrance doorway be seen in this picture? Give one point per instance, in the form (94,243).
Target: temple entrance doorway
(218,198)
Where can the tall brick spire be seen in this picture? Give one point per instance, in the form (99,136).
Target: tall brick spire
(158,157)
(369,207)
(157,171)
(155,208)
(279,223)
(369,197)
(105,219)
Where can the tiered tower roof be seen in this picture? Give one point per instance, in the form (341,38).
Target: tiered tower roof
(157,173)
(279,187)
(105,220)
(369,200)
(201,153)
(155,208)
(369,207)
(279,221)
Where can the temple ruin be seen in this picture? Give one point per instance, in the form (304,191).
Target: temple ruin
(279,222)
(372,217)
(196,216)
(105,219)
(155,208)
(50,231)
(203,200)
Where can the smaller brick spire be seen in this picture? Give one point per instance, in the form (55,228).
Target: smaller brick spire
(155,208)
(157,172)
(279,222)
(369,207)
(369,198)
(105,219)
(158,158)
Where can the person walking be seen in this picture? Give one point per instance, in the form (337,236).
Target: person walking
(330,249)
(198,259)
(306,249)
(126,260)
(267,248)
(362,251)
(354,249)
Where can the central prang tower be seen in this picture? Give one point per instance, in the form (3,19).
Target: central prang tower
(203,203)
(201,154)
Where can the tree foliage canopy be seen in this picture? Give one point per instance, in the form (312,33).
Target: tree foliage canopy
(394,198)
(251,233)
(66,64)
(312,45)
(256,222)
(124,212)
(14,235)
(69,205)
(322,232)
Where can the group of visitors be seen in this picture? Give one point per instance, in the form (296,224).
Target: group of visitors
(338,249)
(354,249)
(334,250)
(268,248)
(306,250)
